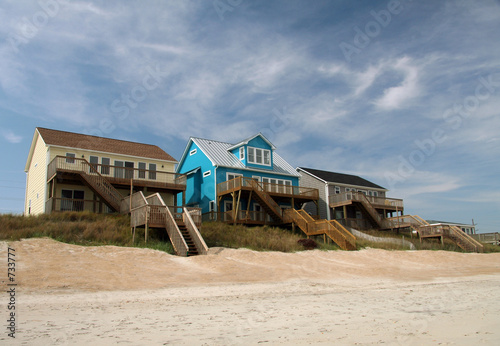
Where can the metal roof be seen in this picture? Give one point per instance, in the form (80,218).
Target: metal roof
(218,153)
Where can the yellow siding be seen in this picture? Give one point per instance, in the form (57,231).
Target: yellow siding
(36,185)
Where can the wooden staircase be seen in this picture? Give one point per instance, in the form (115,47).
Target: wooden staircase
(266,201)
(192,249)
(426,230)
(382,223)
(331,228)
(177,221)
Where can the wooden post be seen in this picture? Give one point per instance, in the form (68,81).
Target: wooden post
(249,200)
(237,206)
(133,237)
(131,192)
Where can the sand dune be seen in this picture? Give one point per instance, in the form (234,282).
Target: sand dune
(70,294)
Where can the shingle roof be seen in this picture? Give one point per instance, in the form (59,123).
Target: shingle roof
(341,178)
(219,154)
(108,145)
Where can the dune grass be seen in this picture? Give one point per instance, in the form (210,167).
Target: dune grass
(84,228)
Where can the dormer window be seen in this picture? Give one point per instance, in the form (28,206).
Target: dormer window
(259,156)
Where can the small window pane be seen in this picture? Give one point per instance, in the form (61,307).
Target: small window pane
(251,155)
(70,158)
(258,155)
(142,170)
(105,165)
(267,157)
(152,171)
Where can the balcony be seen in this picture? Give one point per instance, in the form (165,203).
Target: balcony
(347,198)
(275,190)
(118,175)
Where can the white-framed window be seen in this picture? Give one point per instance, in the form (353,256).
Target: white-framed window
(105,162)
(211,206)
(192,152)
(363,192)
(231,176)
(256,178)
(375,193)
(337,189)
(259,156)
(206,174)
(242,153)
(142,170)
(152,171)
(70,158)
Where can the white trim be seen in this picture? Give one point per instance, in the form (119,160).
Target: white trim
(262,156)
(242,153)
(235,174)
(259,178)
(327,197)
(192,152)
(207,174)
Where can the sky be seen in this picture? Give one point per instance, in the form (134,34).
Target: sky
(403,93)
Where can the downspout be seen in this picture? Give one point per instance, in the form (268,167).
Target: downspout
(215,187)
(327,194)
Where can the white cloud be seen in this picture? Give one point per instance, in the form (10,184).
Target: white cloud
(11,137)
(396,97)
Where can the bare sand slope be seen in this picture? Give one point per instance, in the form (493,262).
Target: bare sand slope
(110,295)
(45,264)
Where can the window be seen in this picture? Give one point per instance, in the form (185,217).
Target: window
(337,189)
(211,206)
(267,157)
(256,178)
(375,193)
(105,165)
(242,153)
(259,156)
(94,161)
(119,172)
(72,200)
(231,176)
(152,171)
(192,152)
(129,170)
(70,158)
(142,170)
(206,174)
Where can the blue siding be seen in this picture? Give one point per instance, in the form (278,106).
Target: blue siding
(199,190)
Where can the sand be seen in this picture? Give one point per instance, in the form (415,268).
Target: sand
(76,295)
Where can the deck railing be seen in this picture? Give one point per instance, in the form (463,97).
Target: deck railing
(55,204)
(374,200)
(90,174)
(124,174)
(277,189)
(243,216)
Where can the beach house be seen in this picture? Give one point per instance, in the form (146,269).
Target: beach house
(68,171)
(350,199)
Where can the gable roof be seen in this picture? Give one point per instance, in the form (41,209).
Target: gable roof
(108,145)
(218,153)
(340,178)
(246,141)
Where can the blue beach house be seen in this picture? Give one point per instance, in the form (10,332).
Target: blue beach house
(247,182)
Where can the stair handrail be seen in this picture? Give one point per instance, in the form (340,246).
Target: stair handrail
(478,247)
(348,235)
(292,215)
(265,197)
(87,170)
(180,246)
(195,234)
(327,228)
(385,223)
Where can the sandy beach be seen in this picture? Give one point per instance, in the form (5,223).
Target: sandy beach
(69,294)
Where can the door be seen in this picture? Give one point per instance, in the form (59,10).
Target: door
(66,200)
(78,200)
(119,171)
(129,170)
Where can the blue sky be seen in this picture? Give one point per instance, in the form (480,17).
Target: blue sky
(404,93)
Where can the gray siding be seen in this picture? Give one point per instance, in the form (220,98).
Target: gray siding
(307,181)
